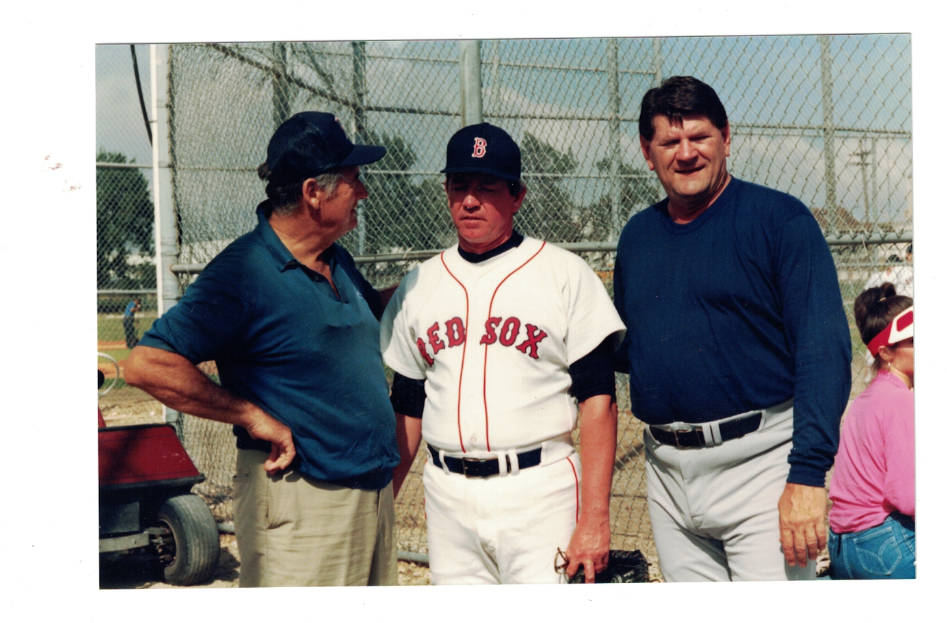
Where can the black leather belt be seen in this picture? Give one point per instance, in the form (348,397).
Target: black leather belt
(484,468)
(694,438)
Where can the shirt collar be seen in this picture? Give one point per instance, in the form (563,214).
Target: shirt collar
(281,255)
(476,258)
(719,203)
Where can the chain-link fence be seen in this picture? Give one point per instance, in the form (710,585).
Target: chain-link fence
(827,119)
(125,217)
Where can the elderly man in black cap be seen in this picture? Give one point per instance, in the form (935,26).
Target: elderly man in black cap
(293,328)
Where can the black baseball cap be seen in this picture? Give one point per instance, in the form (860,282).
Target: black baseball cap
(483,148)
(311,143)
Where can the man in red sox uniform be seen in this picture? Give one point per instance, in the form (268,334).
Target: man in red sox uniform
(500,342)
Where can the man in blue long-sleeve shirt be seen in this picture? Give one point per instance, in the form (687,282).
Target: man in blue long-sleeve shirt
(738,353)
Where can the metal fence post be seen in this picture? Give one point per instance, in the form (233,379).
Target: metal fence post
(166,235)
(358,121)
(828,126)
(281,86)
(863,164)
(876,211)
(471,96)
(656,62)
(614,137)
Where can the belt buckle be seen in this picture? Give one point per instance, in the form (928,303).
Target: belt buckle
(677,441)
(464,461)
(687,428)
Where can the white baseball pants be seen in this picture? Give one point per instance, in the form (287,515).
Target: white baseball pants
(714,510)
(500,530)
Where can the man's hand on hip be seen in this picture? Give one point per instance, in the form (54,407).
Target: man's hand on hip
(270,429)
(802,523)
(179,384)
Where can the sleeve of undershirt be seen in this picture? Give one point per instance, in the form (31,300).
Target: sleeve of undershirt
(593,374)
(407,396)
(818,336)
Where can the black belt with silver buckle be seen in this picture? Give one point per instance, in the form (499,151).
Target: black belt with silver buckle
(694,438)
(484,468)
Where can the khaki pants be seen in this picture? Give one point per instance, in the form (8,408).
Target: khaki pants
(293,530)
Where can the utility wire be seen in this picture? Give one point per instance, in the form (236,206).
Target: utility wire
(141,98)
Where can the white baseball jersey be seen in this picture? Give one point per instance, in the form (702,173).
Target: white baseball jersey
(494,341)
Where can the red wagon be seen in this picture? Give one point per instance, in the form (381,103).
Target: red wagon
(146,505)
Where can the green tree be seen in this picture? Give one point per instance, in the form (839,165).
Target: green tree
(402,212)
(548,211)
(638,190)
(124,225)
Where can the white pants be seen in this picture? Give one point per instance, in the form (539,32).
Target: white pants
(714,510)
(500,530)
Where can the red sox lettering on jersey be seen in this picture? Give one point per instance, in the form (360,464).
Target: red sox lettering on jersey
(493,342)
(509,331)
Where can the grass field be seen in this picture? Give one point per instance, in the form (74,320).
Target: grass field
(109,328)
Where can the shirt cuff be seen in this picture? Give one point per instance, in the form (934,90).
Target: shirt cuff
(806,475)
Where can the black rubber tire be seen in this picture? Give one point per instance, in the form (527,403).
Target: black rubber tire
(196,542)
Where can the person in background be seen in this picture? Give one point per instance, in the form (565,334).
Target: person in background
(128,323)
(871,523)
(899,273)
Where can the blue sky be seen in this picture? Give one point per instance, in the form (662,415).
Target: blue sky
(119,125)
(762,80)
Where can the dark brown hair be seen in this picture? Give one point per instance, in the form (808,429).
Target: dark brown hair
(679,97)
(875,308)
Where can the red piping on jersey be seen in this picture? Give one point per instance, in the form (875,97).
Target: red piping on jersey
(463,353)
(576,476)
(486,346)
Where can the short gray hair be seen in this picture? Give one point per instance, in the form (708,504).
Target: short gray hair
(285,199)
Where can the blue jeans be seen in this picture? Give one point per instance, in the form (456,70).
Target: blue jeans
(885,552)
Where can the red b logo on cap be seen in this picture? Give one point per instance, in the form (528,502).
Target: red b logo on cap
(480,148)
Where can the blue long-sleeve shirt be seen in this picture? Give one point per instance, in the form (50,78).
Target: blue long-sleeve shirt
(737,310)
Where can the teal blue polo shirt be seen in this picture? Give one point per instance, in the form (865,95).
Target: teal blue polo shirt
(283,340)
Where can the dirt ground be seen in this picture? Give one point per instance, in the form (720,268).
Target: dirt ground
(127,406)
(129,572)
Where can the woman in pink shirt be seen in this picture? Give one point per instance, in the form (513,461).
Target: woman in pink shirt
(871,523)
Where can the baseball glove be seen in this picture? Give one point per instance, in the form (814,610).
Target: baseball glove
(623,567)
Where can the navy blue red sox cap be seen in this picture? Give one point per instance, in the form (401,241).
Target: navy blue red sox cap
(311,143)
(483,148)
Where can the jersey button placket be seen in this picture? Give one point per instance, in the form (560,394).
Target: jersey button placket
(474,366)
